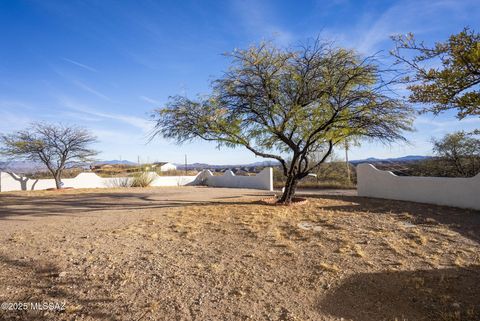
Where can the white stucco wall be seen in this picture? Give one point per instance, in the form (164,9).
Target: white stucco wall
(173,180)
(457,192)
(263,180)
(168,167)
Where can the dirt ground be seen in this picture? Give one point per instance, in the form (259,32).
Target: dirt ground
(195,253)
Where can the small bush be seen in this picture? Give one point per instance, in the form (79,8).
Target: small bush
(176,172)
(119,182)
(142,179)
(329,175)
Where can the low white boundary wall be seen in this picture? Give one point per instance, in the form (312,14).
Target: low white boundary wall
(457,192)
(263,180)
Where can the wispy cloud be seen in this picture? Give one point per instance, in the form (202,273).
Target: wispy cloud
(8,104)
(80,116)
(443,126)
(115,136)
(144,125)
(150,100)
(257,18)
(80,65)
(80,84)
(12,121)
(400,18)
(90,90)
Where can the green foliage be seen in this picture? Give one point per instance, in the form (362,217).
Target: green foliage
(456,155)
(459,151)
(56,146)
(291,104)
(116,182)
(328,175)
(142,179)
(176,172)
(453,85)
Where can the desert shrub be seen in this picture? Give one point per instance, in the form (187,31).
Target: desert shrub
(142,179)
(119,182)
(176,172)
(434,167)
(67,173)
(329,175)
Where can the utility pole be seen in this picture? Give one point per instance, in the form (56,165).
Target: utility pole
(346,162)
(185,164)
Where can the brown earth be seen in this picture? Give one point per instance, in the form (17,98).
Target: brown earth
(194,253)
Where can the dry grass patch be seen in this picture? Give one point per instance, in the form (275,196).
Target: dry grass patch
(142,256)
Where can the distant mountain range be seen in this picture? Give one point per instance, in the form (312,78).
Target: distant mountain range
(115,162)
(21,167)
(404,159)
(204,166)
(29,167)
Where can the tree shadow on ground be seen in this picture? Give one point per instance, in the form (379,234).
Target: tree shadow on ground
(41,282)
(14,206)
(23,181)
(463,221)
(445,294)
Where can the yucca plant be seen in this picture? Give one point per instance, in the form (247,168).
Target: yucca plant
(142,179)
(119,182)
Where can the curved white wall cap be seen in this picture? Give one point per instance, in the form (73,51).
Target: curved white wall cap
(263,180)
(455,191)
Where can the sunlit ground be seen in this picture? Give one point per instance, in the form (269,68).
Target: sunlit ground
(214,254)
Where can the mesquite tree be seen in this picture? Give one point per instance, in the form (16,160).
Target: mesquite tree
(461,152)
(56,146)
(290,105)
(445,76)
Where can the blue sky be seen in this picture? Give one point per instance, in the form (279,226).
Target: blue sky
(106,64)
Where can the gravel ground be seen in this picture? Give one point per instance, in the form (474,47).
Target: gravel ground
(195,253)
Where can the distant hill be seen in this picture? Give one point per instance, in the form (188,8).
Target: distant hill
(30,167)
(404,159)
(115,162)
(210,166)
(22,167)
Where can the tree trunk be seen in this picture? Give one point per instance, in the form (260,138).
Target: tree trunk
(346,163)
(289,190)
(58,181)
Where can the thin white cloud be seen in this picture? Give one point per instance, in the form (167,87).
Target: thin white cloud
(115,136)
(8,104)
(80,116)
(258,19)
(90,90)
(12,121)
(444,126)
(81,84)
(400,18)
(80,65)
(150,100)
(134,121)
(447,123)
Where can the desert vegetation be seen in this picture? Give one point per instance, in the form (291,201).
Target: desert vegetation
(56,146)
(293,105)
(311,249)
(445,76)
(455,155)
(332,174)
(202,253)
